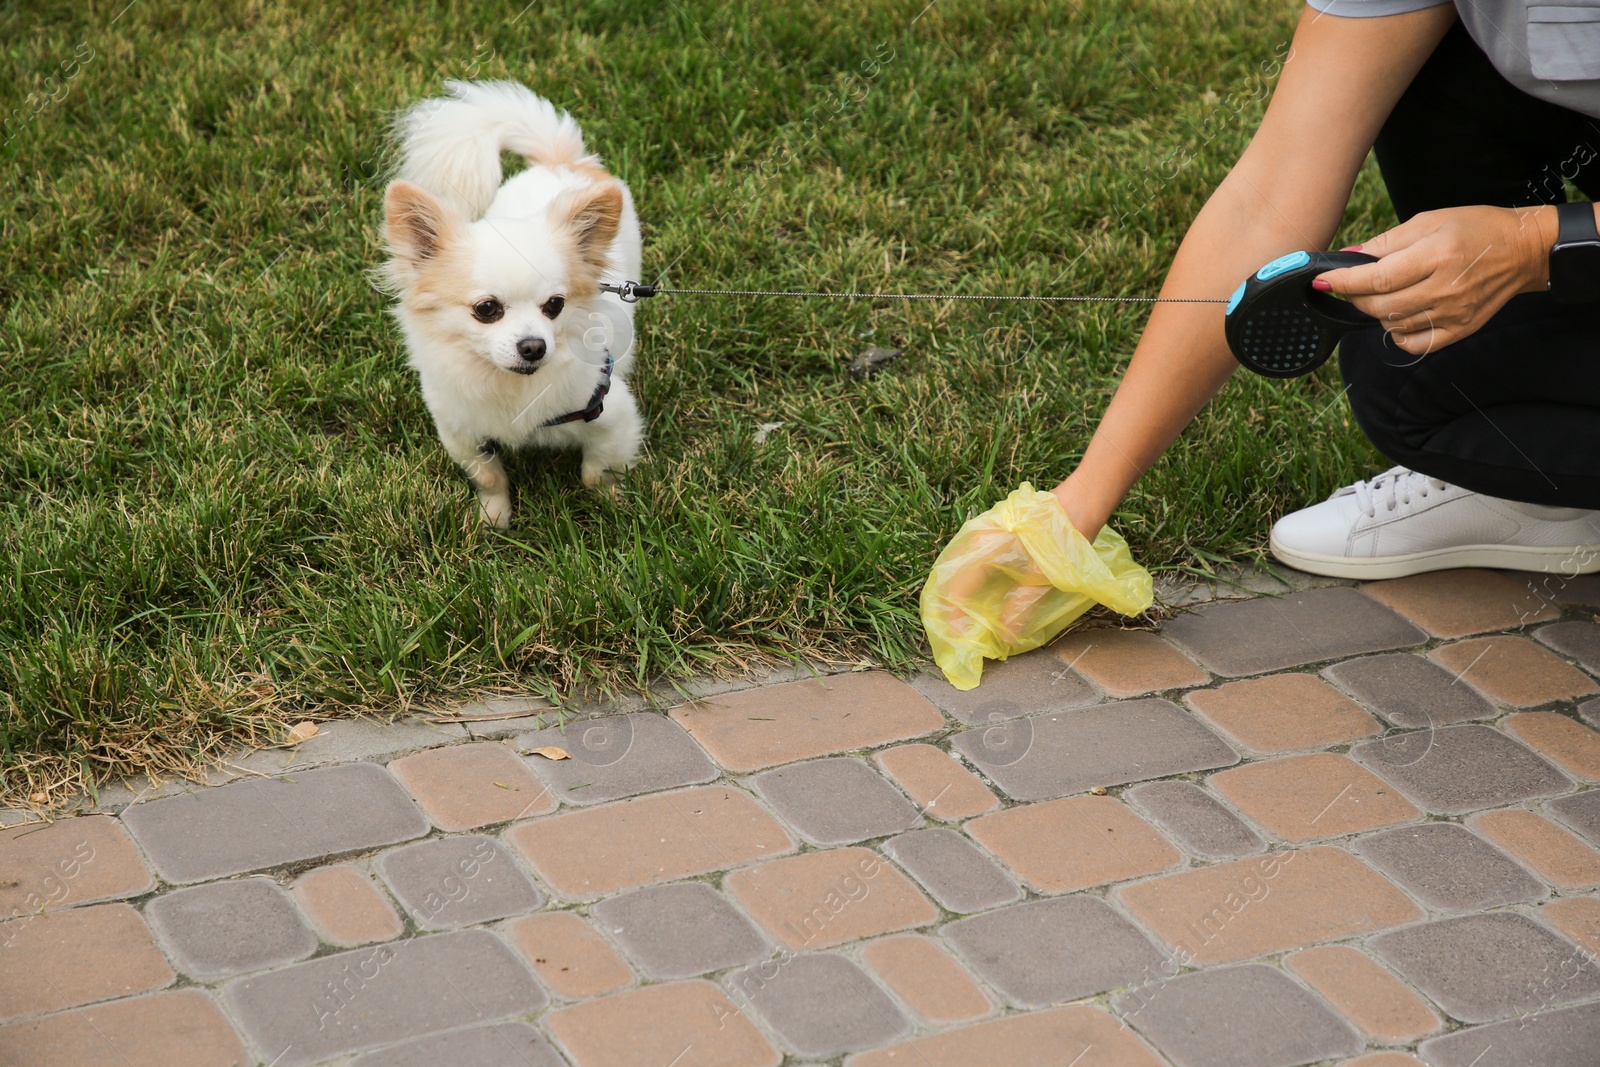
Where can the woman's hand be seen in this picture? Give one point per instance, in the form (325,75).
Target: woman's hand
(1442,274)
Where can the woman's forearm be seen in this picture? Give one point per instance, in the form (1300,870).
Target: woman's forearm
(1182,359)
(1288,191)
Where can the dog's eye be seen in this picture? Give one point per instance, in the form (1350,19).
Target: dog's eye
(490,310)
(553,306)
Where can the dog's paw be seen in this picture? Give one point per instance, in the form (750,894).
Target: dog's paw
(495,510)
(601,480)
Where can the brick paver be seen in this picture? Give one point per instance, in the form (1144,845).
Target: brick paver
(75,957)
(463,787)
(450,882)
(1578,640)
(346,907)
(1283,712)
(926,977)
(823,899)
(368,996)
(1364,993)
(589,853)
(571,959)
(1581,812)
(1552,852)
(764,727)
(1513,671)
(260,823)
(181,1028)
(835,801)
(1048,951)
(1565,742)
(1034,681)
(1128,663)
(936,781)
(1079,1034)
(1046,756)
(1410,690)
(1449,868)
(1235,638)
(1484,967)
(820,1004)
(1385,1059)
(1283,900)
(513,1044)
(1195,819)
(1559,1037)
(69,861)
(228,928)
(1461,768)
(656,1023)
(617,756)
(680,931)
(1577,590)
(1578,919)
(1305,798)
(1461,602)
(1236,1015)
(1074,843)
(953,870)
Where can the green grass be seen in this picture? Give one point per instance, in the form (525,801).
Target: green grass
(223,501)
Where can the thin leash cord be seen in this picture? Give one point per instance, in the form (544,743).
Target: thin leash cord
(928,296)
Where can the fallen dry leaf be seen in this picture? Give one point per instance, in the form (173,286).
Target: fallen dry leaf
(302,731)
(552,752)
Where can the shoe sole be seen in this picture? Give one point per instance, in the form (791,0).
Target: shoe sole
(1582,559)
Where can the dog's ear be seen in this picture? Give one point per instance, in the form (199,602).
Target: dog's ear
(590,217)
(417,224)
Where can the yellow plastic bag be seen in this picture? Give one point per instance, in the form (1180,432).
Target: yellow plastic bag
(1014,577)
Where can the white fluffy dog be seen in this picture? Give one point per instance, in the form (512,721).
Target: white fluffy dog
(498,285)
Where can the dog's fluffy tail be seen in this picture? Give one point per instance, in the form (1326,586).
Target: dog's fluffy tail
(451,145)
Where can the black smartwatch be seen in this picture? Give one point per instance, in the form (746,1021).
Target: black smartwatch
(1575,257)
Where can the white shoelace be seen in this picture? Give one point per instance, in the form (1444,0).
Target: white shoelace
(1394,486)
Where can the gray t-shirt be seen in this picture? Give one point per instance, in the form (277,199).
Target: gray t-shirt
(1549,50)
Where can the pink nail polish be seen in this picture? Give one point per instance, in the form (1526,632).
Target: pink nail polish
(1321,286)
(1351,248)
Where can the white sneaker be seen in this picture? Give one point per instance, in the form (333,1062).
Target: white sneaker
(1402,522)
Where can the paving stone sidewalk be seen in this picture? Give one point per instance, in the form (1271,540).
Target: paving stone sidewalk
(1346,825)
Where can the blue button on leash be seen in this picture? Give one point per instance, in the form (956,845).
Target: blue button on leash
(1276,324)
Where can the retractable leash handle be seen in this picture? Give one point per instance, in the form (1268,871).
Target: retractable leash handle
(1278,326)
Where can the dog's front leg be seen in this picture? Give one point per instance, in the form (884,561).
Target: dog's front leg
(611,443)
(481,461)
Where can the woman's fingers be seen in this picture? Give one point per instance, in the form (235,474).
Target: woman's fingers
(1420,342)
(1394,269)
(1392,274)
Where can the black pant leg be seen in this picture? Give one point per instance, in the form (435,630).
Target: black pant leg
(1509,411)
(1514,410)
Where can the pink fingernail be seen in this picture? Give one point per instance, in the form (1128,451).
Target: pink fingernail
(1351,248)
(1321,286)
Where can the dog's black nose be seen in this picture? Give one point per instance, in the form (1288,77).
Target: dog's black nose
(531,349)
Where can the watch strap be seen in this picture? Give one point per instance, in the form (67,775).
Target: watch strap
(1575,223)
